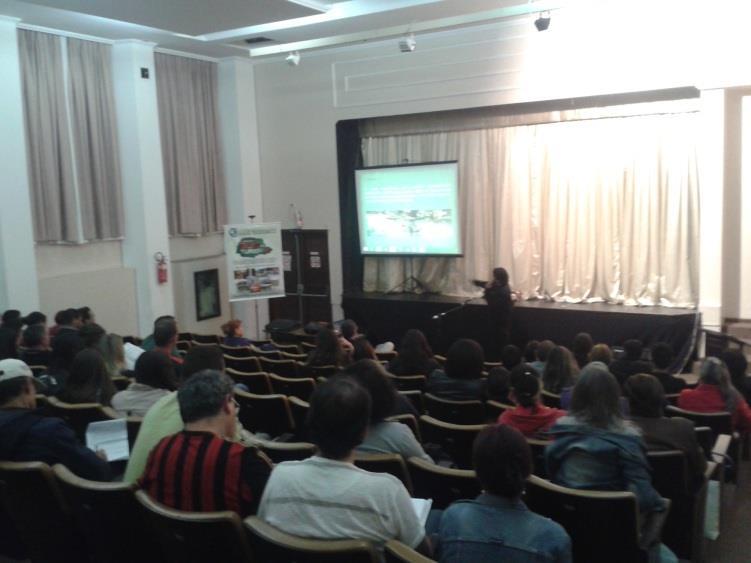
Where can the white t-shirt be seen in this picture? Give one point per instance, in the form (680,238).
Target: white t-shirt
(326,499)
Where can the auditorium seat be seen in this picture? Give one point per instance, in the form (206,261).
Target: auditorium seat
(38,370)
(494,409)
(456,412)
(538,455)
(719,422)
(442,484)
(455,439)
(396,552)
(386,356)
(260,353)
(41,517)
(293,356)
(385,463)
(408,382)
(410,421)
(121,383)
(273,545)
(236,351)
(205,339)
(79,416)
(287,347)
(301,387)
(416,398)
(246,364)
(133,425)
(183,345)
(285,368)
(278,452)
(110,519)
(184,336)
(316,371)
(299,410)
(440,359)
(551,400)
(672,398)
(603,525)
(269,414)
(307,346)
(197,537)
(704,436)
(257,382)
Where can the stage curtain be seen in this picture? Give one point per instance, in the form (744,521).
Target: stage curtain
(577,211)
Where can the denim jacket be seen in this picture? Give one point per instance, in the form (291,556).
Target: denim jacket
(584,457)
(492,528)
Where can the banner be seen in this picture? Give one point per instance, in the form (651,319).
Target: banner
(254,261)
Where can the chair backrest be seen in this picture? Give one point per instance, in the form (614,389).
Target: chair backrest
(286,451)
(285,368)
(299,410)
(719,422)
(197,537)
(79,416)
(110,518)
(416,398)
(271,544)
(34,504)
(271,354)
(133,426)
(410,421)
(307,346)
(705,437)
(385,463)
(257,382)
(672,398)
(245,364)
(440,359)
(455,439)
(456,412)
(441,484)
(265,413)
(288,347)
(669,472)
(494,409)
(316,371)
(551,400)
(301,387)
(236,351)
(293,356)
(386,356)
(205,339)
(396,552)
(603,525)
(183,336)
(408,382)
(184,345)
(538,455)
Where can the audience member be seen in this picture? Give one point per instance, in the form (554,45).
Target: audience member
(737,365)
(511,356)
(26,435)
(199,468)
(165,340)
(68,329)
(59,319)
(112,349)
(497,525)
(35,318)
(632,362)
(233,334)
(601,353)
(148,342)
(402,405)
(715,393)
(662,357)
(595,448)
(64,350)
(89,381)
(530,351)
(349,330)
(333,499)
(362,349)
(415,356)
(560,371)
(646,398)
(529,416)
(155,378)
(35,345)
(581,348)
(91,333)
(462,379)
(328,350)
(86,315)
(499,385)
(543,351)
(10,333)
(500,300)
(383,436)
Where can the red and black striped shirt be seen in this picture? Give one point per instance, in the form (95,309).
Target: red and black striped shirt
(201,472)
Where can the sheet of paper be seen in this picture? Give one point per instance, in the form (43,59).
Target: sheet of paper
(111,436)
(422,508)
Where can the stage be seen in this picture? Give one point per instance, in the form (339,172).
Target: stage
(387,317)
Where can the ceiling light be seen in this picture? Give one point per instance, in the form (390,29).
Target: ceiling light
(293,59)
(407,43)
(543,21)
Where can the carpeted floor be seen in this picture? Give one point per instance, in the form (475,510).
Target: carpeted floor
(734,543)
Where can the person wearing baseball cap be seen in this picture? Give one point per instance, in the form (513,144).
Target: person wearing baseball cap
(26,435)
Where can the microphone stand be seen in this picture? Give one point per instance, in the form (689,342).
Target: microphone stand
(440,316)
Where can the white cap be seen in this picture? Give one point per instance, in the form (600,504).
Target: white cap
(11,369)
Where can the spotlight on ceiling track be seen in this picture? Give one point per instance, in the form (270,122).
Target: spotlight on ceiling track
(293,59)
(407,43)
(542,23)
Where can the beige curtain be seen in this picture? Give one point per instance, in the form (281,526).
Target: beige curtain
(48,143)
(95,137)
(193,174)
(577,211)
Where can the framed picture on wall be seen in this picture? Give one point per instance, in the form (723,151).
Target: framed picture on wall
(206,284)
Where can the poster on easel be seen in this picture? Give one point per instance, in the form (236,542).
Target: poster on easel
(254,261)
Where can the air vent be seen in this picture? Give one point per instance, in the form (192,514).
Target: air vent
(255,40)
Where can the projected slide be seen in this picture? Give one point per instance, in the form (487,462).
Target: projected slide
(409,209)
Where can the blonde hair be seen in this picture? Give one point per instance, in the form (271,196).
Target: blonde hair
(112,349)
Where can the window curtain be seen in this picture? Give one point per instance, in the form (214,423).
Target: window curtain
(193,174)
(577,211)
(95,136)
(48,141)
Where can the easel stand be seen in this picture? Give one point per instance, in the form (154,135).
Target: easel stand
(410,284)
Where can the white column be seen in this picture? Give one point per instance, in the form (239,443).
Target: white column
(143,177)
(242,167)
(711,191)
(18,274)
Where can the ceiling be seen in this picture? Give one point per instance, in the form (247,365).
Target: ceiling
(219,28)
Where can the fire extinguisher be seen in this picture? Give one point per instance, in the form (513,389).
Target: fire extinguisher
(161,268)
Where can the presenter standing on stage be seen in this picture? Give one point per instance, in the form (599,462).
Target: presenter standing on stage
(500,299)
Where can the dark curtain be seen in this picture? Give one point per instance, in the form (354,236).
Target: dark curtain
(349,157)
